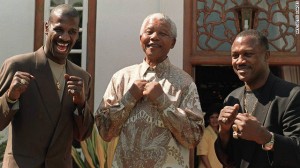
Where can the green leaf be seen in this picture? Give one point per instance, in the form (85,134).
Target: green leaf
(77,158)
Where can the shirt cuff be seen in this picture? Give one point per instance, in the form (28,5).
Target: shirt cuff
(128,101)
(79,111)
(163,102)
(16,106)
(12,104)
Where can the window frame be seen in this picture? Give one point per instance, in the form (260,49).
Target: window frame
(82,30)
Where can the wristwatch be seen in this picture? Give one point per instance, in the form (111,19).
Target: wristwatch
(269,145)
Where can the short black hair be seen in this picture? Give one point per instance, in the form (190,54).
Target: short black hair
(262,39)
(214,108)
(66,10)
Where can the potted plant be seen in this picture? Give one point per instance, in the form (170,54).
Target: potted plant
(94,152)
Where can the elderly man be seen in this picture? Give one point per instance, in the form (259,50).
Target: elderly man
(260,123)
(153,107)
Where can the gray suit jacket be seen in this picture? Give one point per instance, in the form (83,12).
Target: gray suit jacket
(41,131)
(278,109)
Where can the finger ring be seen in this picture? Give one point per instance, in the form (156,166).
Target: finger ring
(72,91)
(235,131)
(235,135)
(235,128)
(23,81)
(224,120)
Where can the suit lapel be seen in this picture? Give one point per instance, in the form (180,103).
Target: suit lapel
(67,107)
(67,101)
(260,112)
(265,100)
(45,84)
(246,147)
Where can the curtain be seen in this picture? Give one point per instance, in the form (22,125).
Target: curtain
(291,74)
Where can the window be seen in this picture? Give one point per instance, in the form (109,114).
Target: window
(78,54)
(211,26)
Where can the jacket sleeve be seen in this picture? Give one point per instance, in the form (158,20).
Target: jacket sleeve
(227,155)
(6,113)
(84,119)
(287,142)
(113,111)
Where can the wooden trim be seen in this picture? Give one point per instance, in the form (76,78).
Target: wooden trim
(223,58)
(187,52)
(187,34)
(38,24)
(91,42)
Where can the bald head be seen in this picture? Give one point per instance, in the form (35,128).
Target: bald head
(63,10)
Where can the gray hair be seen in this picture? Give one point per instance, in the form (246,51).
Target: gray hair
(161,17)
(262,39)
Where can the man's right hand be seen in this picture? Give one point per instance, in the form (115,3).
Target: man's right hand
(227,116)
(137,88)
(18,85)
(226,120)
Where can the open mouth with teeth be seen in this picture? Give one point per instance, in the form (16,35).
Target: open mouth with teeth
(62,47)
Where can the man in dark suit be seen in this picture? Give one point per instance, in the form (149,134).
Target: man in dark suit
(44,98)
(260,123)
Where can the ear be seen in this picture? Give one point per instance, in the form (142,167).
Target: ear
(46,27)
(173,43)
(140,39)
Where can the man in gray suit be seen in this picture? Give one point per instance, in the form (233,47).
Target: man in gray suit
(260,123)
(44,98)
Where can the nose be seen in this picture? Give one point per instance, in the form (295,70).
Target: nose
(240,60)
(65,36)
(154,36)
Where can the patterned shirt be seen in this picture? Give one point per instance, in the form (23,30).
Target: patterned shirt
(155,135)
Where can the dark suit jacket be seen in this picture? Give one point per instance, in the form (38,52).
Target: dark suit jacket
(41,132)
(278,109)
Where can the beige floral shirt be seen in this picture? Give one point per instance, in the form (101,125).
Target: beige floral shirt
(154,135)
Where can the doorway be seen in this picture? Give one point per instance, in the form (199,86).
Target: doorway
(214,83)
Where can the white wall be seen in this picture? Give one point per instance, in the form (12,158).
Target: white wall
(17,27)
(16,32)
(117,39)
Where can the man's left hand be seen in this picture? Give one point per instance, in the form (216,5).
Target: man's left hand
(75,87)
(249,128)
(152,91)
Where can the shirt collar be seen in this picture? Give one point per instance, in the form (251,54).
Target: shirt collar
(159,69)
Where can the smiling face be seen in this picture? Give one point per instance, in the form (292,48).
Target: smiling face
(156,40)
(249,60)
(213,120)
(62,32)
